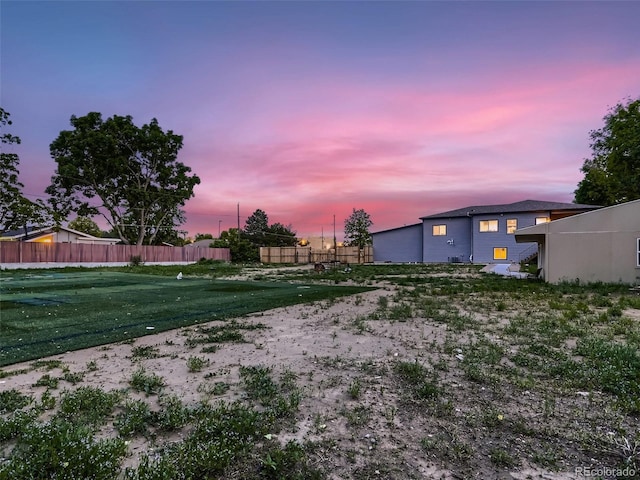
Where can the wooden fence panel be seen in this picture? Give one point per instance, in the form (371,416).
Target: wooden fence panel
(285,254)
(307,255)
(33,252)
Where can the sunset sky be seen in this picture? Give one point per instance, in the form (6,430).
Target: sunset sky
(311,109)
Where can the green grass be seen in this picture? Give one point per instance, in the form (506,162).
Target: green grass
(536,374)
(45,313)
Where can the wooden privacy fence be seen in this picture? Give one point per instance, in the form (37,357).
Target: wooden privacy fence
(32,252)
(308,255)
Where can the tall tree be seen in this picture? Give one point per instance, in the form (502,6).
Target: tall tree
(86,225)
(612,174)
(258,231)
(130,175)
(256,226)
(280,236)
(356,229)
(16,211)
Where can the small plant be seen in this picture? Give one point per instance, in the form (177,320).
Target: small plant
(196,364)
(502,458)
(47,364)
(15,424)
(73,378)
(144,352)
(319,423)
(258,383)
(421,383)
(145,382)
(390,414)
(88,405)
(92,366)
(282,400)
(400,312)
(63,450)
(47,401)
(134,418)
(47,381)
(12,400)
(359,416)
(220,388)
(383,303)
(354,389)
(174,414)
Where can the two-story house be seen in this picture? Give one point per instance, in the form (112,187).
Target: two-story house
(478,233)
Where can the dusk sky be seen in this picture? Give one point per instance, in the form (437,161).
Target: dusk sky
(310,109)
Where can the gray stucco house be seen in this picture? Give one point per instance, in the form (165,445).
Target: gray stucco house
(477,233)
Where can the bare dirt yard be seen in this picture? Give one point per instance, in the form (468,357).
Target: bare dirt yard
(437,373)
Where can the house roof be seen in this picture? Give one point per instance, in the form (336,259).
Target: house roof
(35,232)
(413,225)
(31,232)
(601,220)
(202,243)
(20,232)
(517,207)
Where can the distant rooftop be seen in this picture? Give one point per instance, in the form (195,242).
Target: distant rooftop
(522,206)
(20,232)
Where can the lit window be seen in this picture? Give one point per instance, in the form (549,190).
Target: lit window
(540,220)
(488,225)
(439,230)
(512,225)
(47,239)
(500,253)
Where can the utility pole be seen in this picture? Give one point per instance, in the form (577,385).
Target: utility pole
(238,222)
(335,245)
(219,222)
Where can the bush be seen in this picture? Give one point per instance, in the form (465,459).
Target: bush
(135,261)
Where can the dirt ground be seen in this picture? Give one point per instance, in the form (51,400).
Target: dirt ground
(329,346)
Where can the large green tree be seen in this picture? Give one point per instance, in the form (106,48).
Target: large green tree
(279,235)
(256,226)
(356,229)
(612,174)
(258,231)
(242,250)
(86,225)
(16,211)
(130,175)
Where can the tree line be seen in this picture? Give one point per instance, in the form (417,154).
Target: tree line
(131,177)
(257,232)
(127,174)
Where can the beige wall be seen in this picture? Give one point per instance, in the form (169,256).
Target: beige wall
(597,246)
(608,257)
(64,236)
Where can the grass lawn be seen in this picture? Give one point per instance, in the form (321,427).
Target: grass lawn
(440,372)
(44,313)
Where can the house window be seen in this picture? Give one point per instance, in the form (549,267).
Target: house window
(512,225)
(638,252)
(488,225)
(439,230)
(540,220)
(500,253)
